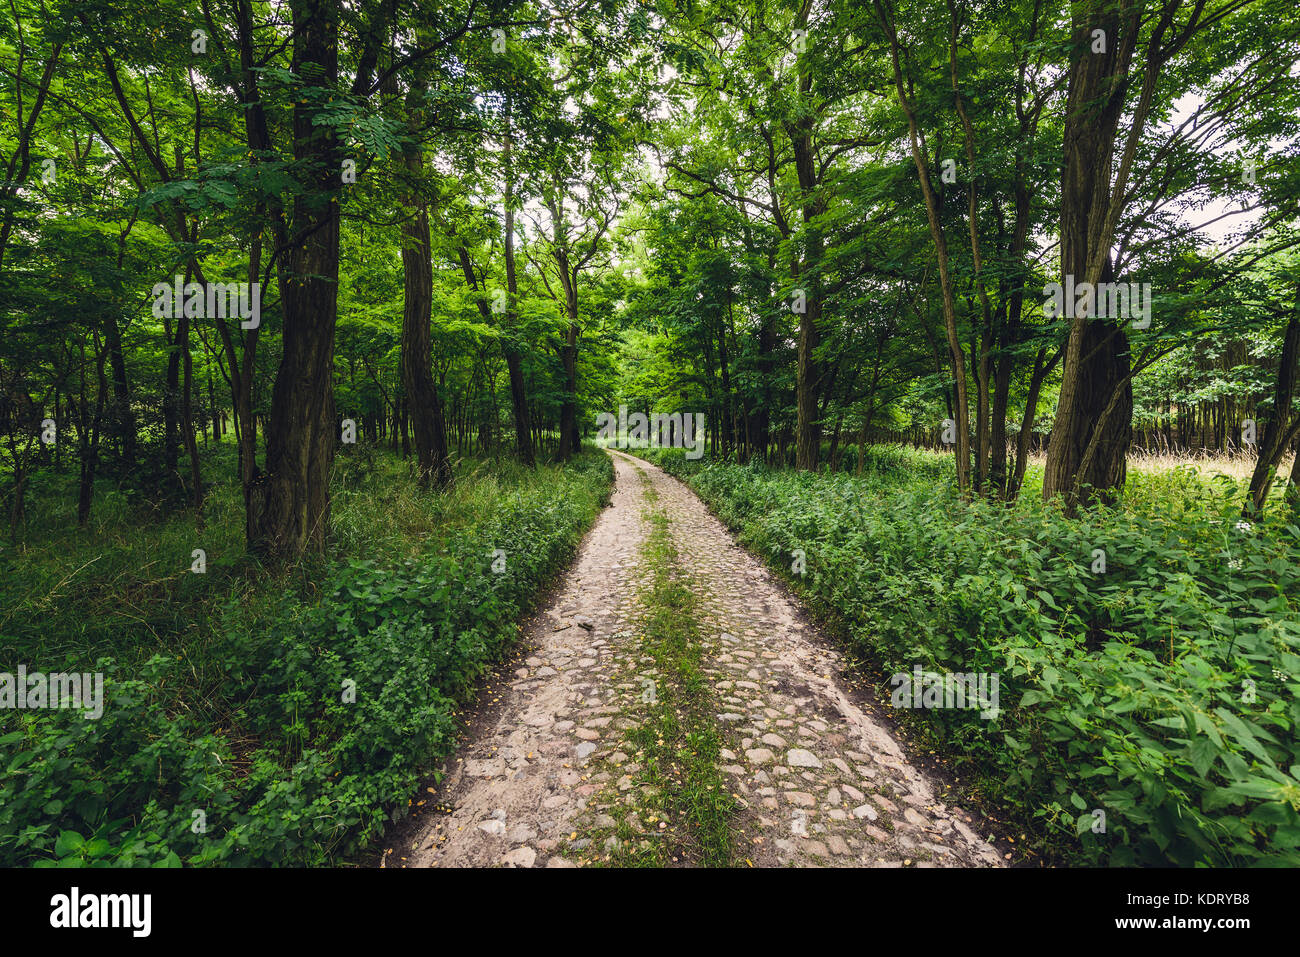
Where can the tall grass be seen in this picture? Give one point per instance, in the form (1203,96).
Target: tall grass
(228,692)
(1162,690)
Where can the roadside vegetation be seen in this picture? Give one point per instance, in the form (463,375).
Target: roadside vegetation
(1163,693)
(256,716)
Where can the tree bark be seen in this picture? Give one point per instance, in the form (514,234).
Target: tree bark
(808,430)
(956,357)
(433,466)
(569,439)
(1276,436)
(1097,359)
(514,361)
(288,503)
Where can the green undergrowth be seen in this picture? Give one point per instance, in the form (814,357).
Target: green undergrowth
(259,718)
(1157,697)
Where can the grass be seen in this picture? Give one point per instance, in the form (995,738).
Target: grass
(677,742)
(1163,689)
(122,586)
(224,688)
(1208,464)
(1225,470)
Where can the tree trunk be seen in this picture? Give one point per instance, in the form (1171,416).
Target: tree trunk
(289,504)
(1001,393)
(1095,379)
(1024,438)
(1276,435)
(171,392)
(187,415)
(1086,391)
(514,362)
(932,209)
(760,420)
(808,442)
(433,466)
(569,439)
(1293,489)
(122,416)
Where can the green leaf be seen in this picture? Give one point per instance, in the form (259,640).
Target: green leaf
(67,843)
(1207,726)
(1202,753)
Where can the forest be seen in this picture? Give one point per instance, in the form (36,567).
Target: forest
(322,324)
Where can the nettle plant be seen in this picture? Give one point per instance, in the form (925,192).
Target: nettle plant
(1161,693)
(334,706)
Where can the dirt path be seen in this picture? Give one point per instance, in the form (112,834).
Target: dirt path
(559,777)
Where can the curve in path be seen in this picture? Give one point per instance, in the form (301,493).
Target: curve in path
(814,778)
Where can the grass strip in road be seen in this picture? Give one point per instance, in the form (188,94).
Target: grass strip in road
(679,738)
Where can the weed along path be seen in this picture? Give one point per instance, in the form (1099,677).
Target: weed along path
(673,708)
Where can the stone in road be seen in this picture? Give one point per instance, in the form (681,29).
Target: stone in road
(818,780)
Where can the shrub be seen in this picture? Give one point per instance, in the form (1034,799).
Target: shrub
(1162,692)
(336,700)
